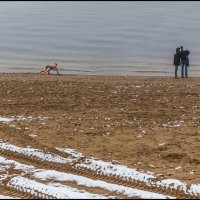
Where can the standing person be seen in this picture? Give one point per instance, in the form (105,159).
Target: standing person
(177,61)
(48,68)
(183,62)
(187,52)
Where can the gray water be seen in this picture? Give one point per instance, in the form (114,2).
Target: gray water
(99,37)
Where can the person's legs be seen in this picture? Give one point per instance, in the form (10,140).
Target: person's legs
(48,71)
(43,70)
(186,71)
(176,69)
(182,68)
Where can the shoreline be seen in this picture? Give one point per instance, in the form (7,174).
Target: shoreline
(95,75)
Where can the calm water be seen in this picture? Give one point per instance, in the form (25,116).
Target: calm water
(106,38)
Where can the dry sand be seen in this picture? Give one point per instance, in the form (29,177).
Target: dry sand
(149,123)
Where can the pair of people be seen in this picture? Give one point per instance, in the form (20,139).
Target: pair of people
(181,58)
(48,68)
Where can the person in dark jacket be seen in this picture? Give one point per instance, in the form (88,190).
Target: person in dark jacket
(177,61)
(187,53)
(184,62)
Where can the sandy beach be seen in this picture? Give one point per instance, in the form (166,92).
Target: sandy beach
(145,123)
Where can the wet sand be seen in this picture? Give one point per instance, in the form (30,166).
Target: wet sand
(149,123)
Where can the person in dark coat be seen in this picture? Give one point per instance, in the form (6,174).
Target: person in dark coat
(184,62)
(177,61)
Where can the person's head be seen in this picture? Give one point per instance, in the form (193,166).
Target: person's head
(187,52)
(177,50)
(181,47)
